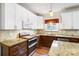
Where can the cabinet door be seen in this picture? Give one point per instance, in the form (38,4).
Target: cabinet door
(26,18)
(18,20)
(40,22)
(46,40)
(34,21)
(66,20)
(76,20)
(9,15)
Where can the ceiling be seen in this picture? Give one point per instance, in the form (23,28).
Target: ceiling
(43,8)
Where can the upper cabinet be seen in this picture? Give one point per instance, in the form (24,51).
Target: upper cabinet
(14,16)
(28,19)
(31,21)
(70,20)
(75,20)
(25,18)
(7,15)
(18,20)
(66,22)
(40,22)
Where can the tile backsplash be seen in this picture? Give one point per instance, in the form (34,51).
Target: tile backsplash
(12,34)
(61,32)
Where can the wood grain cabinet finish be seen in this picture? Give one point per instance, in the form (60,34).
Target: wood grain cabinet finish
(46,41)
(74,40)
(16,50)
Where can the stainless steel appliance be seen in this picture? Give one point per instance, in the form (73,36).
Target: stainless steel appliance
(32,45)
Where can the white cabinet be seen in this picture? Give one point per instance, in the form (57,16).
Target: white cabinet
(18,21)
(76,20)
(70,20)
(40,22)
(8,16)
(66,22)
(26,19)
(29,19)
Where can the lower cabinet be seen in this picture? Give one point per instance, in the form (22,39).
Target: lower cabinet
(66,39)
(74,40)
(16,50)
(46,41)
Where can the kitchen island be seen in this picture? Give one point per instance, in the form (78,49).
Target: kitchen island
(61,48)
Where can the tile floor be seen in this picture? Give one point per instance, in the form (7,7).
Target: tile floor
(41,51)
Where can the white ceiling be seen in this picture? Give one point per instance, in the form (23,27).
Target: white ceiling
(43,8)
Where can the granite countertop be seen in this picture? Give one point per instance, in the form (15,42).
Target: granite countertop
(59,35)
(11,42)
(28,37)
(60,48)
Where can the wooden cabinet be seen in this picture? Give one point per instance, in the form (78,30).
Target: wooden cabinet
(16,50)
(7,16)
(46,40)
(74,40)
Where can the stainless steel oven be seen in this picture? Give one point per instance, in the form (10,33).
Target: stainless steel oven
(32,45)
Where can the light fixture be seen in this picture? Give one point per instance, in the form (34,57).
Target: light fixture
(50,11)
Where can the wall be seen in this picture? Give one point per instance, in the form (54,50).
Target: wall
(12,34)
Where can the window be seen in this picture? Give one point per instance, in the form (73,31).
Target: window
(52,24)
(51,27)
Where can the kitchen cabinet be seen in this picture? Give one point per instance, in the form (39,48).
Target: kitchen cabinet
(76,20)
(66,22)
(8,16)
(25,18)
(40,22)
(33,21)
(74,40)
(46,41)
(15,50)
(70,20)
(29,19)
(18,21)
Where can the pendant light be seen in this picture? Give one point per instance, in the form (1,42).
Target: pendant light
(50,11)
